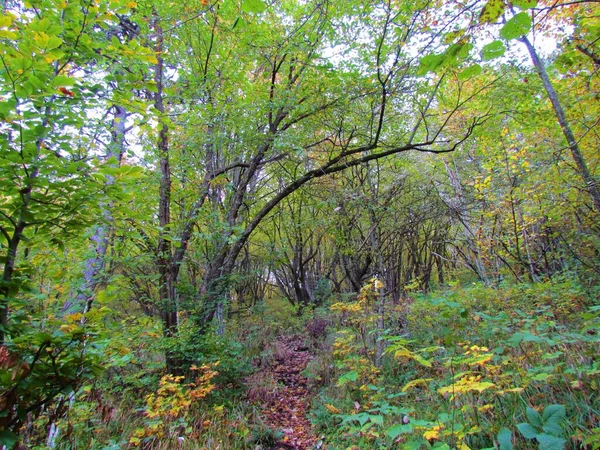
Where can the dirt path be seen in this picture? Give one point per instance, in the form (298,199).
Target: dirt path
(288,409)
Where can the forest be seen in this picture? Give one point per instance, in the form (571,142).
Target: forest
(300,224)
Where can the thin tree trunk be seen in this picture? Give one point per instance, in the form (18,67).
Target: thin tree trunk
(7,289)
(582,168)
(95,264)
(166,267)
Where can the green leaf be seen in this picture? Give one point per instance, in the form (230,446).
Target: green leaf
(516,27)
(491,11)
(418,358)
(527,430)
(441,446)
(8,106)
(5,21)
(396,430)
(493,50)
(534,417)
(62,80)
(553,417)
(541,376)
(458,51)
(348,377)
(554,413)
(53,42)
(8,439)
(7,34)
(254,6)
(36,82)
(429,63)
(414,445)
(525,4)
(376,420)
(555,429)
(361,418)
(547,442)
(505,439)
(239,22)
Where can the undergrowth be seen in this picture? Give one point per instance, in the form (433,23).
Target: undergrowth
(468,368)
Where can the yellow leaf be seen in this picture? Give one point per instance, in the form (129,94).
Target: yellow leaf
(68,328)
(413,383)
(432,434)
(332,409)
(74,317)
(8,35)
(5,21)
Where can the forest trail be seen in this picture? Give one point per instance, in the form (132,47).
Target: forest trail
(287,411)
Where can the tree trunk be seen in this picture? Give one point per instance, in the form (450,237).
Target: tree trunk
(7,285)
(167,267)
(582,168)
(94,265)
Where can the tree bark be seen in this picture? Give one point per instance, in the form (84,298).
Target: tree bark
(7,287)
(590,182)
(167,267)
(95,265)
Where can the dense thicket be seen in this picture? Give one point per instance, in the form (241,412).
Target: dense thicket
(167,169)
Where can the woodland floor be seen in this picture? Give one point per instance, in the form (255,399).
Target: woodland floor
(287,409)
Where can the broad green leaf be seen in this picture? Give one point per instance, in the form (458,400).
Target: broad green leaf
(376,419)
(553,428)
(348,377)
(396,430)
(541,376)
(527,430)
(441,446)
(254,6)
(547,442)
(429,63)
(505,439)
(492,10)
(516,27)
(553,417)
(458,51)
(7,34)
(526,336)
(5,20)
(8,106)
(493,50)
(62,80)
(53,42)
(238,23)
(534,417)
(8,439)
(554,413)
(469,72)
(361,418)
(525,4)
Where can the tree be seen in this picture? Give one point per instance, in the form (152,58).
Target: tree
(305,114)
(53,182)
